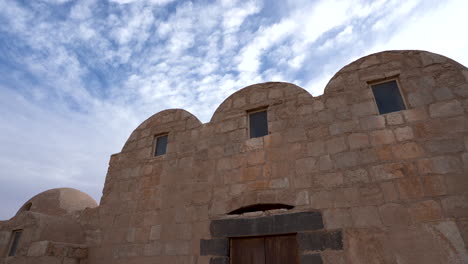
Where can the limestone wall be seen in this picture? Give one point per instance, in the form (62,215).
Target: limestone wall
(369,188)
(394,184)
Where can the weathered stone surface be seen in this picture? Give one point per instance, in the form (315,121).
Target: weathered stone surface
(444,109)
(214,247)
(320,240)
(268,225)
(311,259)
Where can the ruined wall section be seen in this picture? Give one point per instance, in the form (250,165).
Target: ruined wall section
(395,184)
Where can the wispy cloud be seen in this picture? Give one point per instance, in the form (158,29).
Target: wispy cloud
(78,76)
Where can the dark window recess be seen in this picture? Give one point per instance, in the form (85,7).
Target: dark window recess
(258,124)
(14,242)
(260,207)
(388,97)
(161,145)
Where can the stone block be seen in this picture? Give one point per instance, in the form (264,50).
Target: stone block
(358,140)
(370,195)
(337,218)
(338,128)
(434,185)
(372,122)
(214,247)
(316,148)
(321,199)
(336,145)
(356,176)
(346,197)
(346,159)
(408,150)
(267,225)
(364,109)
(366,216)
(444,109)
(255,158)
(442,93)
(456,206)
(389,191)
(439,165)
(39,248)
(251,173)
(320,240)
(279,183)
(329,180)
(305,166)
(410,188)
(424,211)
(389,171)
(311,259)
(393,214)
(382,137)
(445,146)
(394,118)
(325,163)
(404,133)
(152,249)
(415,114)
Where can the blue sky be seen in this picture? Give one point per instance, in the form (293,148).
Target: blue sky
(76,77)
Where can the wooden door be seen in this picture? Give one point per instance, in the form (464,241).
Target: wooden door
(264,250)
(248,250)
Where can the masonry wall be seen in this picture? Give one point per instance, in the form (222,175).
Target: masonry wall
(369,188)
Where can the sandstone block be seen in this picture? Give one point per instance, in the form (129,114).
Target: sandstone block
(316,148)
(372,122)
(305,166)
(416,114)
(389,171)
(443,93)
(434,185)
(440,165)
(337,218)
(336,145)
(425,211)
(394,118)
(445,146)
(366,216)
(343,127)
(443,109)
(321,199)
(364,109)
(410,188)
(279,183)
(382,137)
(393,214)
(409,150)
(404,133)
(346,197)
(346,159)
(329,180)
(37,249)
(302,198)
(389,191)
(356,176)
(358,140)
(325,163)
(456,206)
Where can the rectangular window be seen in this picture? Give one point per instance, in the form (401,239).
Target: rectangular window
(161,145)
(388,97)
(258,122)
(15,237)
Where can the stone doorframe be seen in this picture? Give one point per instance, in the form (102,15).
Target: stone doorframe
(311,237)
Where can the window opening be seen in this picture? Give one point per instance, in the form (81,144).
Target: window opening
(161,145)
(260,207)
(388,97)
(258,124)
(14,242)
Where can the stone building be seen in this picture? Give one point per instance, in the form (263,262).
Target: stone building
(373,171)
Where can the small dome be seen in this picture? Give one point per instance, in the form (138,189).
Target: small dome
(58,201)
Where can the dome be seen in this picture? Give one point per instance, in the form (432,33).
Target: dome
(59,201)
